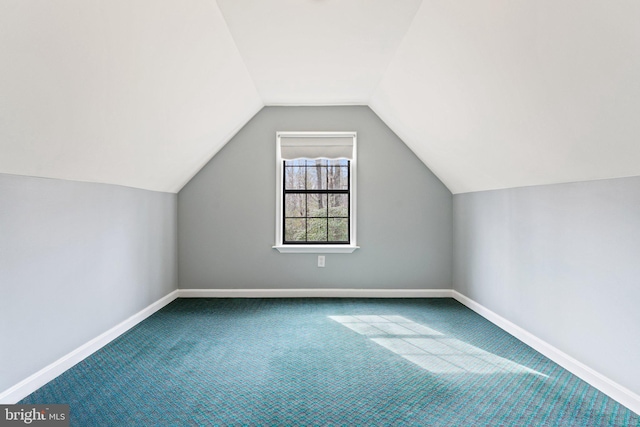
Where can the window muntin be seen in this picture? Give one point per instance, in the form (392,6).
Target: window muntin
(316,201)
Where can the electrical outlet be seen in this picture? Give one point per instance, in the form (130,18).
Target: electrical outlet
(320,260)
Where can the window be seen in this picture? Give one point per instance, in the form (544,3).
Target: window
(315,203)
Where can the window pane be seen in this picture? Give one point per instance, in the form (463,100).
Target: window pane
(294,205)
(294,178)
(295,162)
(317,230)
(315,193)
(294,230)
(338,229)
(339,205)
(317,162)
(317,205)
(338,178)
(316,177)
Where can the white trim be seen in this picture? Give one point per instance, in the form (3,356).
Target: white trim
(32,383)
(352,185)
(316,249)
(315,293)
(612,389)
(318,134)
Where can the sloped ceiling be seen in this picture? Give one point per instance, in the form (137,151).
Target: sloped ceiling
(488,93)
(139,93)
(317,51)
(497,94)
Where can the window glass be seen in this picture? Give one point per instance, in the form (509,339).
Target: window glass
(316,201)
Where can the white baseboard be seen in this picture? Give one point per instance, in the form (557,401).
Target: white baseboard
(612,389)
(46,374)
(315,293)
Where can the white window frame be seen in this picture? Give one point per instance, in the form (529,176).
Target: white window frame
(315,248)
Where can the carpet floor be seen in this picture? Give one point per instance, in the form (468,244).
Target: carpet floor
(324,362)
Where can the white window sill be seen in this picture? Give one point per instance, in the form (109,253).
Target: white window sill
(316,249)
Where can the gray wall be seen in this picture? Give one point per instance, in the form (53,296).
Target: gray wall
(561,261)
(75,260)
(227,212)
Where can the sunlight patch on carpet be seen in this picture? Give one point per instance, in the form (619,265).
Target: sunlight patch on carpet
(428,348)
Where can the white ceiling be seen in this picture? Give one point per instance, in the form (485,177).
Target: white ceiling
(138,93)
(488,93)
(317,51)
(498,94)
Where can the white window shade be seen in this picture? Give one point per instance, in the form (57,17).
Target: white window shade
(316,147)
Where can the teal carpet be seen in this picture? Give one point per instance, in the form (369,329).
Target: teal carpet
(342,362)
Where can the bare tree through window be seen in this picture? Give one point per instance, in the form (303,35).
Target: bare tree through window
(316,201)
